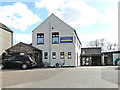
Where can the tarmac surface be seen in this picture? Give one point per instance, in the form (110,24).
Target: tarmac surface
(78,77)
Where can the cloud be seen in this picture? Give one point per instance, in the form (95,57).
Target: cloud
(75,12)
(26,38)
(109,33)
(18,16)
(78,13)
(110,15)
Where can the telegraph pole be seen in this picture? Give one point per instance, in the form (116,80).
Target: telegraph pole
(49,44)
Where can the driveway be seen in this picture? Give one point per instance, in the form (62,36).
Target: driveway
(78,77)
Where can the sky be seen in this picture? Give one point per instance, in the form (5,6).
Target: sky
(92,19)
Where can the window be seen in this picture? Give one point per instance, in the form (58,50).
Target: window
(19,58)
(61,55)
(55,38)
(54,55)
(26,58)
(69,55)
(40,38)
(83,52)
(83,61)
(10,58)
(46,55)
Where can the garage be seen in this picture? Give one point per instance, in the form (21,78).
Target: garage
(26,49)
(96,60)
(91,56)
(109,57)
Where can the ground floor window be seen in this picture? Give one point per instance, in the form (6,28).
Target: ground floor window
(46,55)
(86,61)
(54,55)
(61,55)
(69,55)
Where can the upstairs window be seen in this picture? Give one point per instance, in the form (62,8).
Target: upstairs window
(40,38)
(55,38)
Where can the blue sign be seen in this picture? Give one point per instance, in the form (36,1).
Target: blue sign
(68,39)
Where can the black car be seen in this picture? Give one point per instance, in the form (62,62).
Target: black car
(19,61)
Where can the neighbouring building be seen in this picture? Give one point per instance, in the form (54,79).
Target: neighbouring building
(91,56)
(6,38)
(25,49)
(119,27)
(59,42)
(109,57)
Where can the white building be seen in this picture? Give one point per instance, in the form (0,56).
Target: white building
(6,38)
(58,41)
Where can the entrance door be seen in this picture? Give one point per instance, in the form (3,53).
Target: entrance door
(96,60)
(37,59)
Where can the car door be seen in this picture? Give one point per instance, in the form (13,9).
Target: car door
(13,62)
(18,61)
(9,62)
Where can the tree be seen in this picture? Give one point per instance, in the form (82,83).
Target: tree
(94,43)
(109,46)
(114,46)
(104,44)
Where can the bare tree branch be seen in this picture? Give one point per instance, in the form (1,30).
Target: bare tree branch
(104,44)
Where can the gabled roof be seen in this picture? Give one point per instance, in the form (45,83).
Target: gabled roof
(91,51)
(5,27)
(64,23)
(24,44)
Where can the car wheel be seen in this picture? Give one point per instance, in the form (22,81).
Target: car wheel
(24,66)
(57,65)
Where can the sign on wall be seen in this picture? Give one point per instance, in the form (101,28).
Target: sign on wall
(68,39)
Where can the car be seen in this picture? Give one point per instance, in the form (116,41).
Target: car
(19,61)
(117,61)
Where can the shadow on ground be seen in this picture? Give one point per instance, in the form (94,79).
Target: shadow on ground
(110,74)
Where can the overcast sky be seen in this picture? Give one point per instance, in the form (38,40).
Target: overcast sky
(92,19)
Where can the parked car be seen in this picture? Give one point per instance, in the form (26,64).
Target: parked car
(117,61)
(18,61)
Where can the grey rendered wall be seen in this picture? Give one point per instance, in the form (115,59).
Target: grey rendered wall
(64,30)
